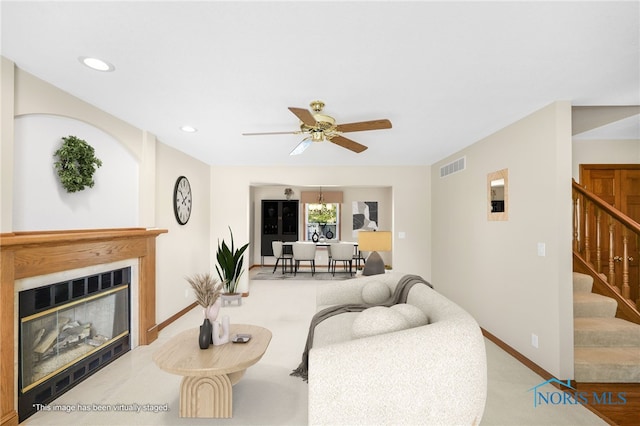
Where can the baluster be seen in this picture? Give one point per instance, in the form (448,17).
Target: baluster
(626,290)
(598,240)
(637,284)
(587,234)
(612,268)
(576,216)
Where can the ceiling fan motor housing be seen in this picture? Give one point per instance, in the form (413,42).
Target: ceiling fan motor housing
(323,123)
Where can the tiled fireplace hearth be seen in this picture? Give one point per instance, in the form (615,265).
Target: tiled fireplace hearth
(29,256)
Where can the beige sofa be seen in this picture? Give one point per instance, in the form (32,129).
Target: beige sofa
(433,374)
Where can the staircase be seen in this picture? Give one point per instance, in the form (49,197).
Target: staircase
(607,349)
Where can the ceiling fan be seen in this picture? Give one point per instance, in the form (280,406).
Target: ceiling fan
(320,127)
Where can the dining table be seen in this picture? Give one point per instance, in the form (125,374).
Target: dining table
(287,247)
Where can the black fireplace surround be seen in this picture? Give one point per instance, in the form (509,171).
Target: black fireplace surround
(68,331)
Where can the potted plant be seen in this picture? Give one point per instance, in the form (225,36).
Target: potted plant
(230,262)
(207,290)
(76,164)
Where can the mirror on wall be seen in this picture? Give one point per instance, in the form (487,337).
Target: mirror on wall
(498,195)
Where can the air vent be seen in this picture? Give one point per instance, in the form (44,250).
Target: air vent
(453,167)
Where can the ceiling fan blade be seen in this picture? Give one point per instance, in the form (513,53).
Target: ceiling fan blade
(348,143)
(271,133)
(299,149)
(364,125)
(304,115)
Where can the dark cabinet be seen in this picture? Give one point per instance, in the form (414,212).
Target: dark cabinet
(279,223)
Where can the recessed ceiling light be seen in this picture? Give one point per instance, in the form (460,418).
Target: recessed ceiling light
(188,129)
(97,64)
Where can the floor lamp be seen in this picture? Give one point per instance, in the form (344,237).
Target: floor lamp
(374,241)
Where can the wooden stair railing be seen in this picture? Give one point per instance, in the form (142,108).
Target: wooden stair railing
(597,226)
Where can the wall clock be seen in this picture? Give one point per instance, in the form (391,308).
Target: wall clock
(182,200)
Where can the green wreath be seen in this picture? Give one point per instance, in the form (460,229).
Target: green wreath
(76,164)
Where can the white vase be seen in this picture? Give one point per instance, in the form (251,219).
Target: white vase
(220,332)
(212,311)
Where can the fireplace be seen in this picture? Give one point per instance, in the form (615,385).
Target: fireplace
(60,255)
(68,331)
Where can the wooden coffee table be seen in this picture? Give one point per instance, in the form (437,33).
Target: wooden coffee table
(209,374)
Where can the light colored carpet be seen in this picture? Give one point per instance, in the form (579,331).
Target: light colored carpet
(607,349)
(267,395)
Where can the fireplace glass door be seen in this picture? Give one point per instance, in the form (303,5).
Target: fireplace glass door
(57,338)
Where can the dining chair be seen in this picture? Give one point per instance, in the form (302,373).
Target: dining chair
(342,252)
(357,257)
(278,252)
(304,251)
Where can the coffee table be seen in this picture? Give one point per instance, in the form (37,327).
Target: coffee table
(209,374)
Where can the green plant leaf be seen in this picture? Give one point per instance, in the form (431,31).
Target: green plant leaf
(76,164)
(230,263)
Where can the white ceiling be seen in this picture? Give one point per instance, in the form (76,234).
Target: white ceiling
(445,73)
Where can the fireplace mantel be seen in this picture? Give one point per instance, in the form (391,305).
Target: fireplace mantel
(30,254)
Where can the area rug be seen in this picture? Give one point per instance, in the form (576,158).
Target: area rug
(304,275)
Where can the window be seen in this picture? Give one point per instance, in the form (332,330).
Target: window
(323,220)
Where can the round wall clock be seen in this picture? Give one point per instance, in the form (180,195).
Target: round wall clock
(182,200)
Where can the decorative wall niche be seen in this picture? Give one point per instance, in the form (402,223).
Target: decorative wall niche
(498,195)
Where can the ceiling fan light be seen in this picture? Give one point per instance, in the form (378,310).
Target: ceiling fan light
(299,149)
(317,136)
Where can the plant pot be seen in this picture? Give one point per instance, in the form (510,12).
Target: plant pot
(227,298)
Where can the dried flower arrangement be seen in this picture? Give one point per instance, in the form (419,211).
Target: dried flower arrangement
(206,288)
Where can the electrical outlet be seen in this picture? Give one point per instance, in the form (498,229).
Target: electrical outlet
(186,293)
(534,340)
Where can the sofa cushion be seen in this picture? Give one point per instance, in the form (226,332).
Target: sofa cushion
(375,293)
(412,314)
(335,329)
(378,320)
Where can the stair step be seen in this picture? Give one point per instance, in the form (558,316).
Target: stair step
(607,365)
(582,282)
(593,305)
(602,332)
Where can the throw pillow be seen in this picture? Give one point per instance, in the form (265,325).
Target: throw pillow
(378,320)
(375,293)
(412,314)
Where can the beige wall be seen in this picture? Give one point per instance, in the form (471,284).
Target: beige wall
(492,268)
(232,203)
(185,250)
(604,152)
(7,75)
